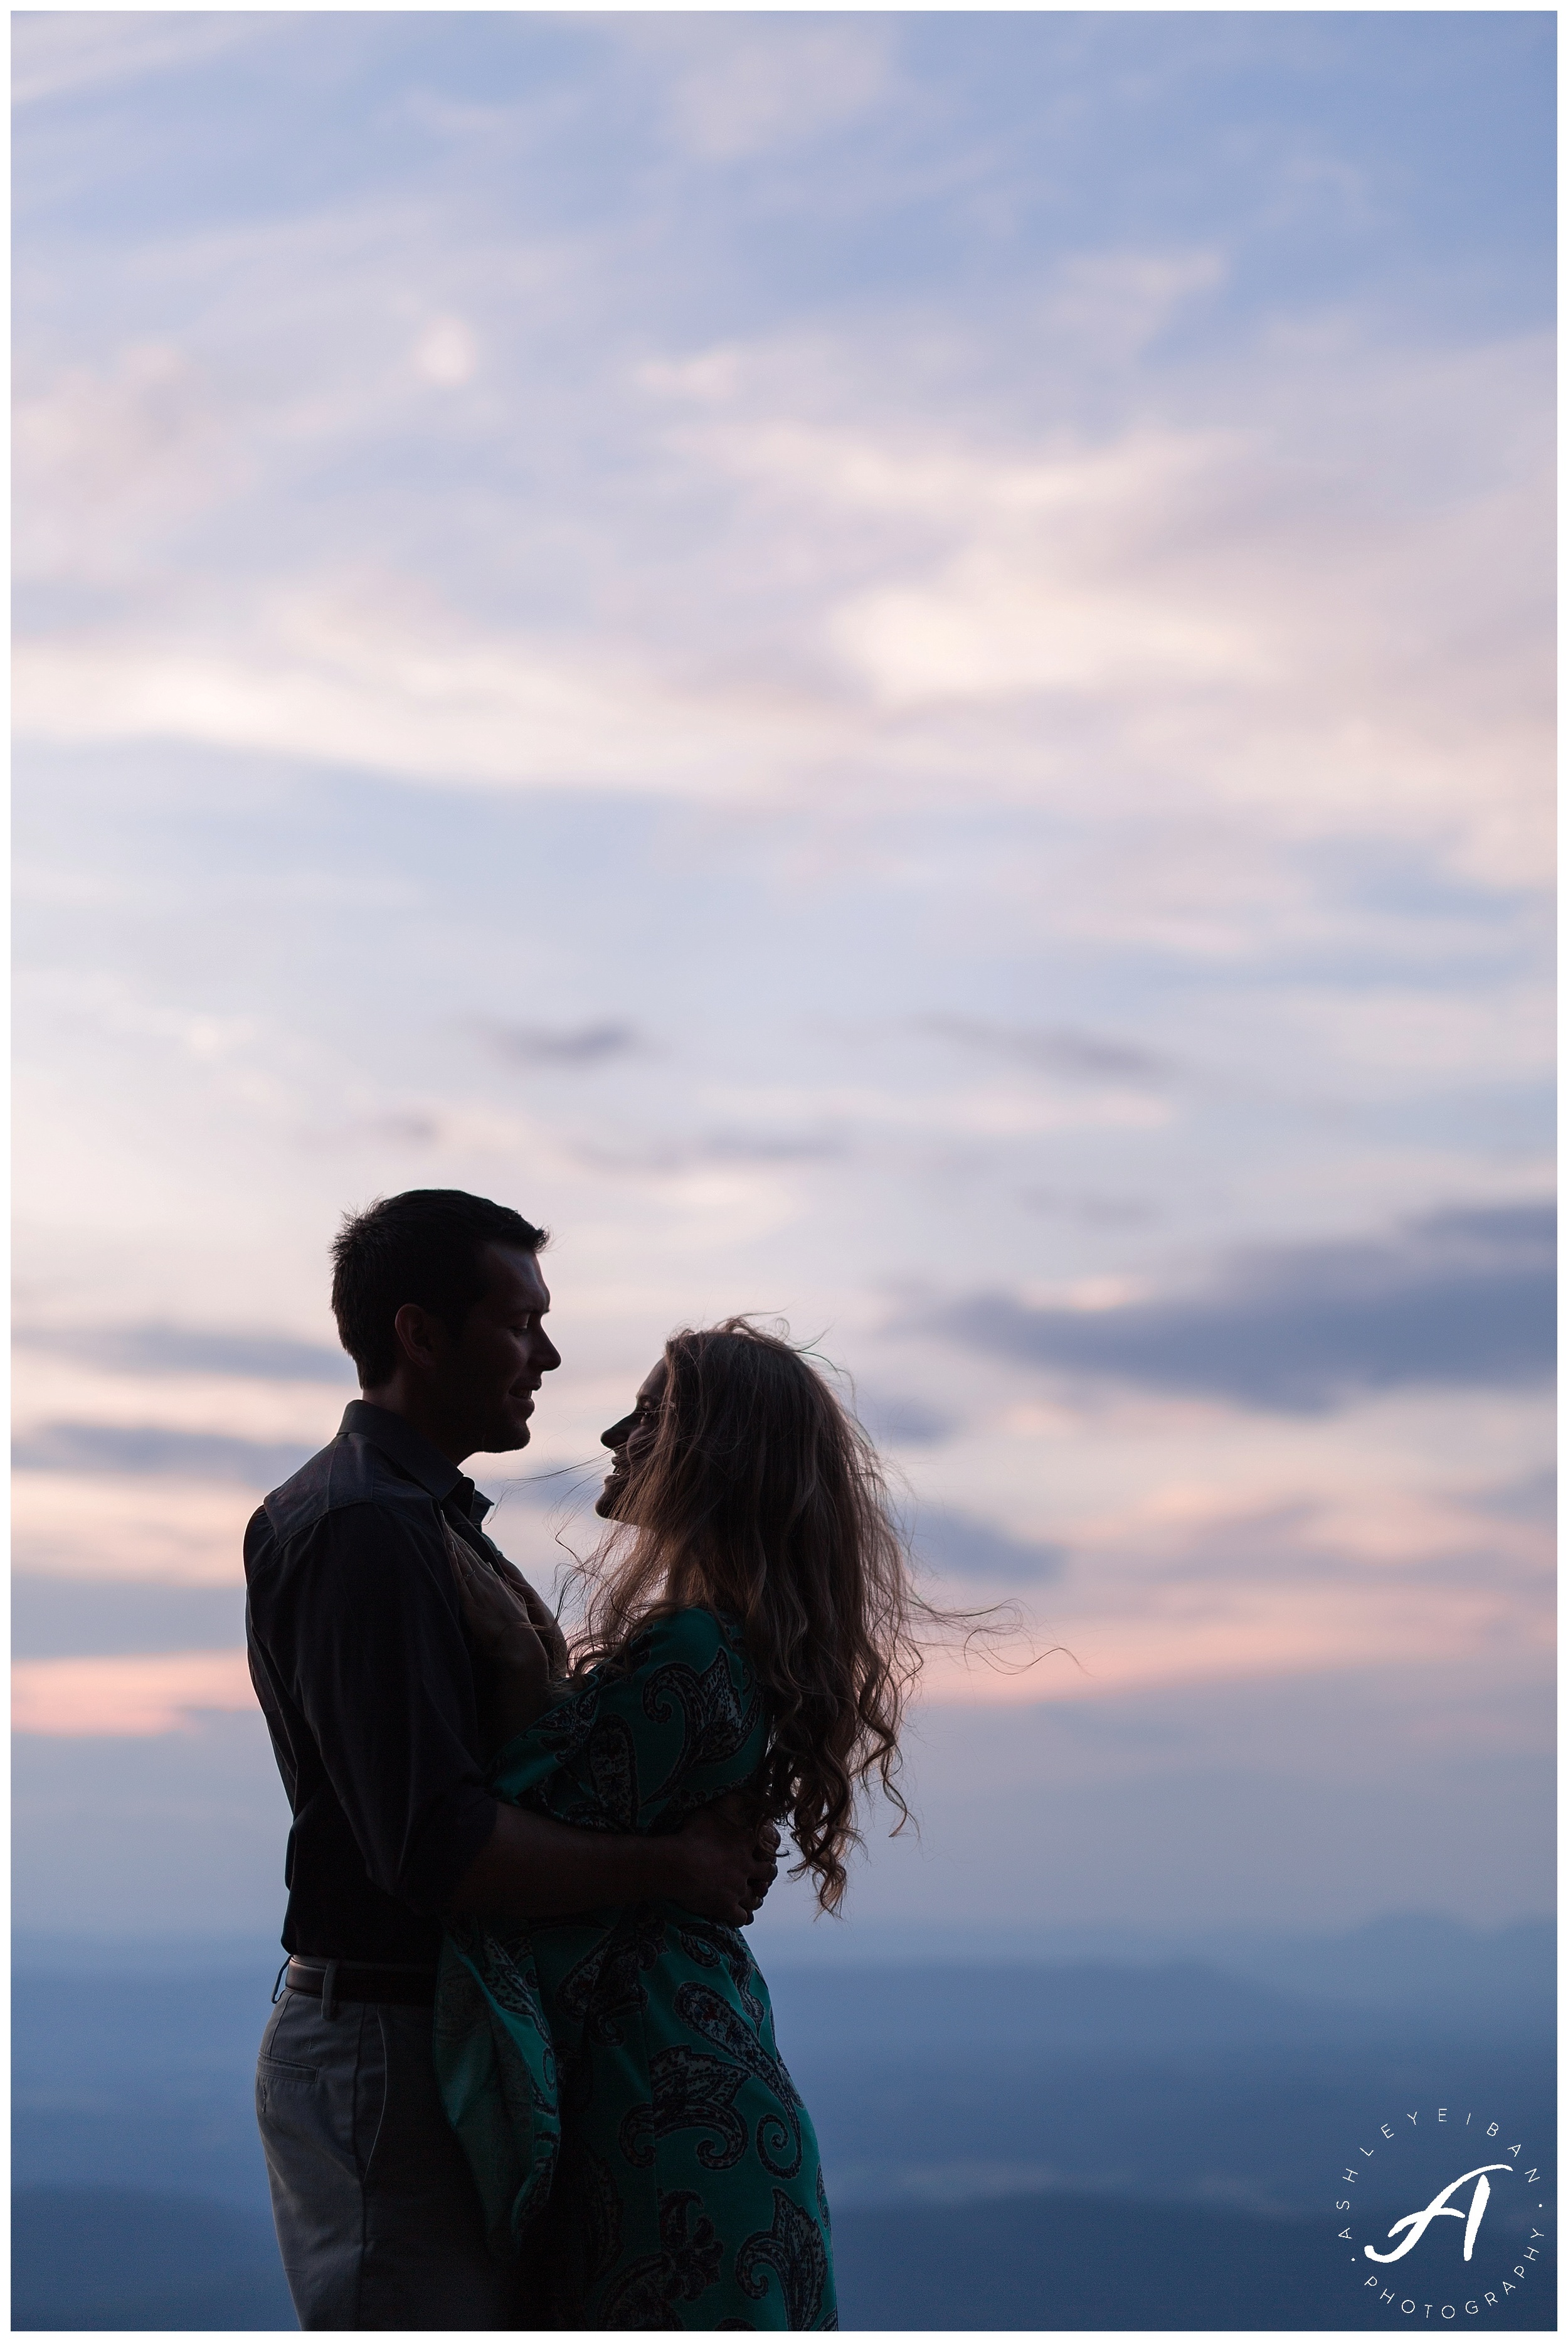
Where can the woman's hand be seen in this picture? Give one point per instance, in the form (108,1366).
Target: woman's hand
(724,1860)
(502,1620)
(741,1806)
(541,1617)
(539,1614)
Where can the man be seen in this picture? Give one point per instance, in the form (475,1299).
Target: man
(361,1663)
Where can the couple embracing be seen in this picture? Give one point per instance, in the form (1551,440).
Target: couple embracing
(523,2069)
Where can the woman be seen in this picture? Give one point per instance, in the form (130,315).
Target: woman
(615,2078)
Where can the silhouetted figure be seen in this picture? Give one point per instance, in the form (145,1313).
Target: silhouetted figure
(367,1674)
(614,2076)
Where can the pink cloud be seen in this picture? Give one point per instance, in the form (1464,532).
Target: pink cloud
(139,1696)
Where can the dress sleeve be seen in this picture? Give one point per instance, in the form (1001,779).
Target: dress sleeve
(640,1747)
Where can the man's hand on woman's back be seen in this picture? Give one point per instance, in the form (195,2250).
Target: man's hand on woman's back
(720,1865)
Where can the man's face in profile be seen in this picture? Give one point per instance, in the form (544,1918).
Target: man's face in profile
(493,1369)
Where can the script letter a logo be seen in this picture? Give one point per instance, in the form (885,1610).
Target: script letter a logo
(1440,2208)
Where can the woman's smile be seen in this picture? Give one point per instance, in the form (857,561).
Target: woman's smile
(631,1439)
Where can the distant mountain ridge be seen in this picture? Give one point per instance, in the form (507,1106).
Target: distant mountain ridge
(1401,1960)
(116,2259)
(1088,2263)
(1094,2009)
(1398,1960)
(994,2135)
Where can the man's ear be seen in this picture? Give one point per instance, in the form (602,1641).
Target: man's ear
(422,1338)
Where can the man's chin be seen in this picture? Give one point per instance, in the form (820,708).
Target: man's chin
(503,1438)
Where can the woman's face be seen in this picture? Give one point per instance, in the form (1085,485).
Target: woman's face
(629,1441)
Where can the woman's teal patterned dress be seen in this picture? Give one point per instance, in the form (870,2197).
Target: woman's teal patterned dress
(615,2078)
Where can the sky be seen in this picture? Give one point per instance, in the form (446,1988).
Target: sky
(895,671)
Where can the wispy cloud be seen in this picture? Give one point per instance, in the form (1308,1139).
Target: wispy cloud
(57,54)
(1462,1297)
(130,1527)
(338,681)
(136,1699)
(1194,1586)
(705,542)
(1532,1499)
(1130,621)
(1077,1055)
(962,1544)
(77,1618)
(154,1447)
(568,1045)
(736,87)
(904,1421)
(1094,1210)
(673,1156)
(157,1347)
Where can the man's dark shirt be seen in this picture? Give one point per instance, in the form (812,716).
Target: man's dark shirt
(360,1662)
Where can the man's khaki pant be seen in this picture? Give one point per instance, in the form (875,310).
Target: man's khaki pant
(377,2216)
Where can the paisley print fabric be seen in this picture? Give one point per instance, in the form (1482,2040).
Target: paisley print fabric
(614,2079)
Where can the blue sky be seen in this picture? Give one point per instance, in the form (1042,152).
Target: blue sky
(896,670)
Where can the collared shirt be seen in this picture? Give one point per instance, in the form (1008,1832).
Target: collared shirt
(361,1664)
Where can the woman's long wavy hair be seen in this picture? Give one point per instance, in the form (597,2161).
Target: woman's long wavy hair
(762,1497)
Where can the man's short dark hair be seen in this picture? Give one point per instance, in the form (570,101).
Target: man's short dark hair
(423,1247)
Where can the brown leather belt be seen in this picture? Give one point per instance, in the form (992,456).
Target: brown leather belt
(332,1981)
